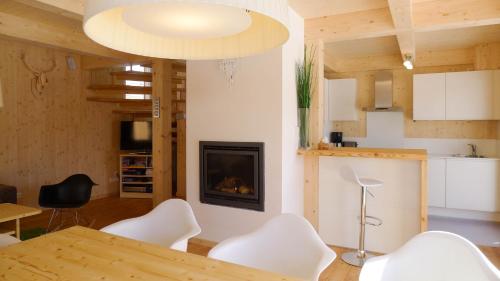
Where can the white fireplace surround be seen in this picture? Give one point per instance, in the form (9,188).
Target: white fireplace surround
(259,107)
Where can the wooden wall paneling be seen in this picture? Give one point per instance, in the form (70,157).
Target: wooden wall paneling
(162,128)
(316,48)
(487,56)
(35,25)
(46,138)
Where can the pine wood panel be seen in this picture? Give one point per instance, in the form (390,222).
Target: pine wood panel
(47,138)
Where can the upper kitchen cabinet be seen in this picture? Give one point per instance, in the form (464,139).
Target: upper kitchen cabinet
(341,97)
(472,95)
(496,94)
(469,95)
(429,96)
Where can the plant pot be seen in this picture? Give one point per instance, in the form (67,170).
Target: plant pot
(303,115)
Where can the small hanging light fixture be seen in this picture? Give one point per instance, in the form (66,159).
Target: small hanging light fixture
(188,29)
(408,62)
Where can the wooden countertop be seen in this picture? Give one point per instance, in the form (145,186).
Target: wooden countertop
(80,253)
(386,153)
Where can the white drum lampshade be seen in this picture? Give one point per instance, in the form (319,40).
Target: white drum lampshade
(188,29)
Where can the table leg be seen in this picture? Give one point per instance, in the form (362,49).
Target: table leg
(18,229)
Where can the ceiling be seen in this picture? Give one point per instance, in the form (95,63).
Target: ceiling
(457,38)
(320,8)
(378,46)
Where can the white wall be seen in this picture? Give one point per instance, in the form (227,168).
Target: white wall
(257,108)
(293,168)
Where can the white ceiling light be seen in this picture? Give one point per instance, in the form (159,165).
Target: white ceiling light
(188,29)
(408,62)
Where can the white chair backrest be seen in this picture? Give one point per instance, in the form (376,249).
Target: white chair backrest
(287,244)
(432,256)
(349,174)
(170,224)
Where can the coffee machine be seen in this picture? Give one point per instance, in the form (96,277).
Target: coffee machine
(336,138)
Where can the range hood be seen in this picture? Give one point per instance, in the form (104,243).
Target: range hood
(383,93)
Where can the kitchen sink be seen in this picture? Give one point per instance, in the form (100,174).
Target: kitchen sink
(468,156)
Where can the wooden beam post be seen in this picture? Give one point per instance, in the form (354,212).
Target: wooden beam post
(401,11)
(423,196)
(181,158)
(311,189)
(316,47)
(162,129)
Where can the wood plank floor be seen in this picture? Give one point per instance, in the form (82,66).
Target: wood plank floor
(109,210)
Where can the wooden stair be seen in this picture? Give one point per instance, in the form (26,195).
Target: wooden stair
(132,75)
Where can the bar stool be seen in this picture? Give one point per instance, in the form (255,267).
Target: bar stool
(359,257)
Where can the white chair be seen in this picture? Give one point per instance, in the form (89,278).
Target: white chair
(287,244)
(432,256)
(6,240)
(170,224)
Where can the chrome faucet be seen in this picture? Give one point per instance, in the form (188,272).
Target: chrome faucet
(473,149)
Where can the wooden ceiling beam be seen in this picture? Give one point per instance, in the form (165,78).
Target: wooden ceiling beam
(69,8)
(427,16)
(402,16)
(422,59)
(34,25)
(350,26)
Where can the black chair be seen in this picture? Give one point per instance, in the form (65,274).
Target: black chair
(70,194)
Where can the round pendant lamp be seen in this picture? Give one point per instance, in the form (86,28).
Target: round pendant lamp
(188,29)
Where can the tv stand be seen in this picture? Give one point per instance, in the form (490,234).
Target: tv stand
(136,175)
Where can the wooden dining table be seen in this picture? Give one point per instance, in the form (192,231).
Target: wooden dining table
(80,253)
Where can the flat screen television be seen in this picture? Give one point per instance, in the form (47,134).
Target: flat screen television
(136,135)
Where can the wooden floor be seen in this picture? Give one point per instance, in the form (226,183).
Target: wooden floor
(109,210)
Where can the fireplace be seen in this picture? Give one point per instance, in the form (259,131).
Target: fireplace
(232,174)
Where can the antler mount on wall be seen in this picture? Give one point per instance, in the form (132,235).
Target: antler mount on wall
(39,80)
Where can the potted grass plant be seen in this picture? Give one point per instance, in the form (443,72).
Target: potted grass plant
(304,77)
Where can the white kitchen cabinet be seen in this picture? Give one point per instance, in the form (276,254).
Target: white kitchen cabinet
(342,100)
(429,96)
(496,94)
(469,95)
(473,184)
(437,182)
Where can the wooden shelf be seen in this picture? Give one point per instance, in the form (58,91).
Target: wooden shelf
(136,176)
(122,88)
(132,111)
(136,167)
(126,194)
(118,100)
(137,182)
(7,231)
(133,76)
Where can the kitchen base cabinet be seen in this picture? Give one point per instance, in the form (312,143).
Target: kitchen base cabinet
(473,184)
(437,182)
